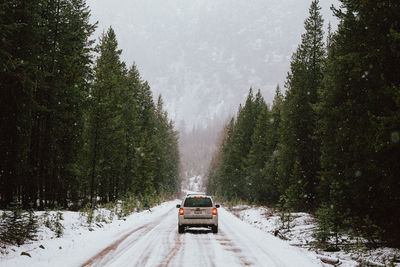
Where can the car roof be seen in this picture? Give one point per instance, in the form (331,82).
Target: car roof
(194,195)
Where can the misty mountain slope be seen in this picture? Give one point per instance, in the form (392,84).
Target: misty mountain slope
(197,147)
(203,55)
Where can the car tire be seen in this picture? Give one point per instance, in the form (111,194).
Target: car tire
(215,229)
(181,229)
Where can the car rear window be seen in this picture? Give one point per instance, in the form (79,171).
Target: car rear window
(198,202)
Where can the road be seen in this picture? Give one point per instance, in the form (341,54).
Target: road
(157,243)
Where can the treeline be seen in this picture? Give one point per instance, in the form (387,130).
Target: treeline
(331,144)
(77,126)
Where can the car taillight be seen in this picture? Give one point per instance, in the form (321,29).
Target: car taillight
(214,212)
(181,211)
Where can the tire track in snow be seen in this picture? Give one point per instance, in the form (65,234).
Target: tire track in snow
(263,249)
(270,259)
(230,246)
(110,248)
(206,248)
(172,253)
(114,250)
(197,250)
(157,243)
(204,243)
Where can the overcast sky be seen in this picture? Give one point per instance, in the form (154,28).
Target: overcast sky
(204,55)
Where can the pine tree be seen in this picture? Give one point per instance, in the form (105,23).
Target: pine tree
(271,192)
(227,188)
(71,80)
(145,152)
(236,178)
(132,128)
(105,127)
(214,172)
(144,177)
(360,119)
(18,74)
(299,148)
(240,147)
(167,160)
(46,50)
(258,156)
(63,129)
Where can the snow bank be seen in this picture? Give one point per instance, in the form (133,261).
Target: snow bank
(79,242)
(301,235)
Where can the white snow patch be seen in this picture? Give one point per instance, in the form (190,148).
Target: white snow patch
(78,243)
(301,235)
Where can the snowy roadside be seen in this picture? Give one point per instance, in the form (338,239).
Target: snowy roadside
(80,241)
(301,235)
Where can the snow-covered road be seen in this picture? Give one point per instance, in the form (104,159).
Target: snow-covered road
(157,243)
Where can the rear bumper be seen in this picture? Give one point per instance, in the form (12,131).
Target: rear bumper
(197,222)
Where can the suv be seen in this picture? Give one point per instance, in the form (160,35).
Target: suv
(197,210)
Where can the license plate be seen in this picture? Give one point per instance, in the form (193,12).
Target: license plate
(197,212)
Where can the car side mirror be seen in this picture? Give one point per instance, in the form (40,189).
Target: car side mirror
(217,206)
(178,206)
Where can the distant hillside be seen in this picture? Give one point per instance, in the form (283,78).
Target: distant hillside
(203,55)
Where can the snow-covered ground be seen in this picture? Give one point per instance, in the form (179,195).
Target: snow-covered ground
(79,241)
(150,238)
(301,235)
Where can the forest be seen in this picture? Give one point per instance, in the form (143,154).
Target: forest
(78,126)
(330,144)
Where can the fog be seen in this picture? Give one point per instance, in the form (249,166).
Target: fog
(204,55)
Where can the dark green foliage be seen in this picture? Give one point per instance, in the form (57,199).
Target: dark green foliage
(268,189)
(75,131)
(360,116)
(266,152)
(326,227)
(53,222)
(230,172)
(286,209)
(332,144)
(17,226)
(132,147)
(168,160)
(105,129)
(299,147)
(258,156)
(236,147)
(44,84)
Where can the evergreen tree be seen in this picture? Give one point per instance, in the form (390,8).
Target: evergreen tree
(270,170)
(132,128)
(123,117)
(226,188)
(299,147)
(63,128)
(46,50)
(71,78)
(18,51)
(360,119)
(236,178)
(145,152)
(214,172)
(240,147)
(258,156)
(105,128)
(166,141)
